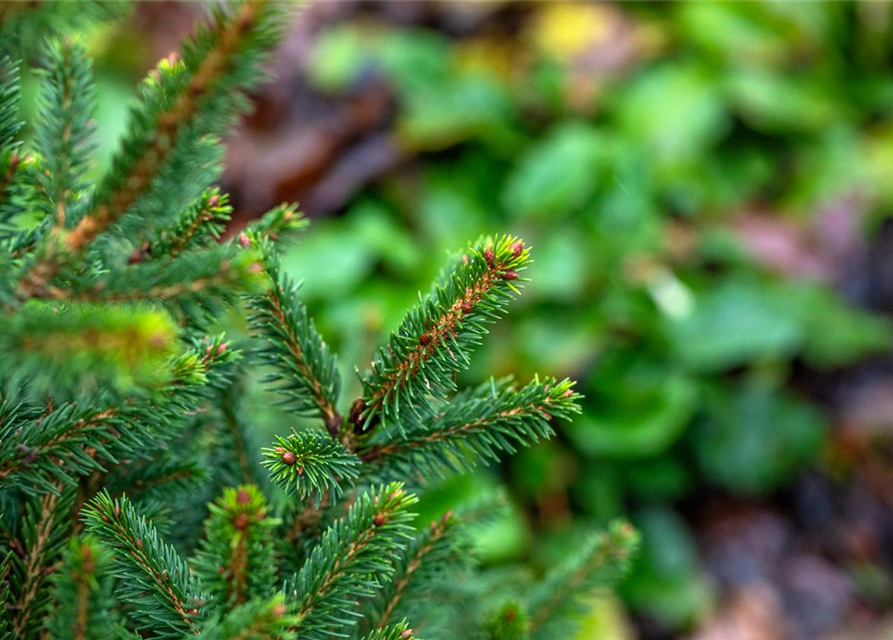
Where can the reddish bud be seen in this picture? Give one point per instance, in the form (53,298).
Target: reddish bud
(517,248)
(425,338)
(568,393)
(406,634)
(221,348)
(467,307)
(213,201)
(511,274)
(378,520)
(243,497)
(244,240)
(117,510)
(240,521)
(105,518)
(289,458)
(489,256)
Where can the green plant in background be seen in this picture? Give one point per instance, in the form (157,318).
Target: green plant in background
(120,413)
(622,168)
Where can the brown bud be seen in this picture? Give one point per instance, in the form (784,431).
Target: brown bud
(289,458)
(425,338)
(406,634)
(117,510)
(356,410)
(333,424)
(139,543)
(243,497)
(105,518)
(221,348)
(244,240)
(300,470)
(467,307)
(240,521)
(517,248)
(510,274)
(489,256)
(378,520)
(568,393)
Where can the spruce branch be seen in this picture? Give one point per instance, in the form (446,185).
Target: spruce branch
(354,554)
(198,227)
(436,338)
(508,622)
(39,450)
(278,224)
(236,438)
(44,535)
(305,369)
(235,562)
(85,345)
(65,126)
(153,577)
(186,103)
(474,427)
(254,620)
(218,272)
(5,562)
(10,95)
(159,480)
(555,602)
(310,464)
(82,595)
(25,27)
(399,631)
(429,556)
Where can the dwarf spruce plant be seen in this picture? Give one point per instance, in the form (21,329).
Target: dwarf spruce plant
(121,416)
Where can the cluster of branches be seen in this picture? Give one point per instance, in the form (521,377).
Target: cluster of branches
(120,416)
